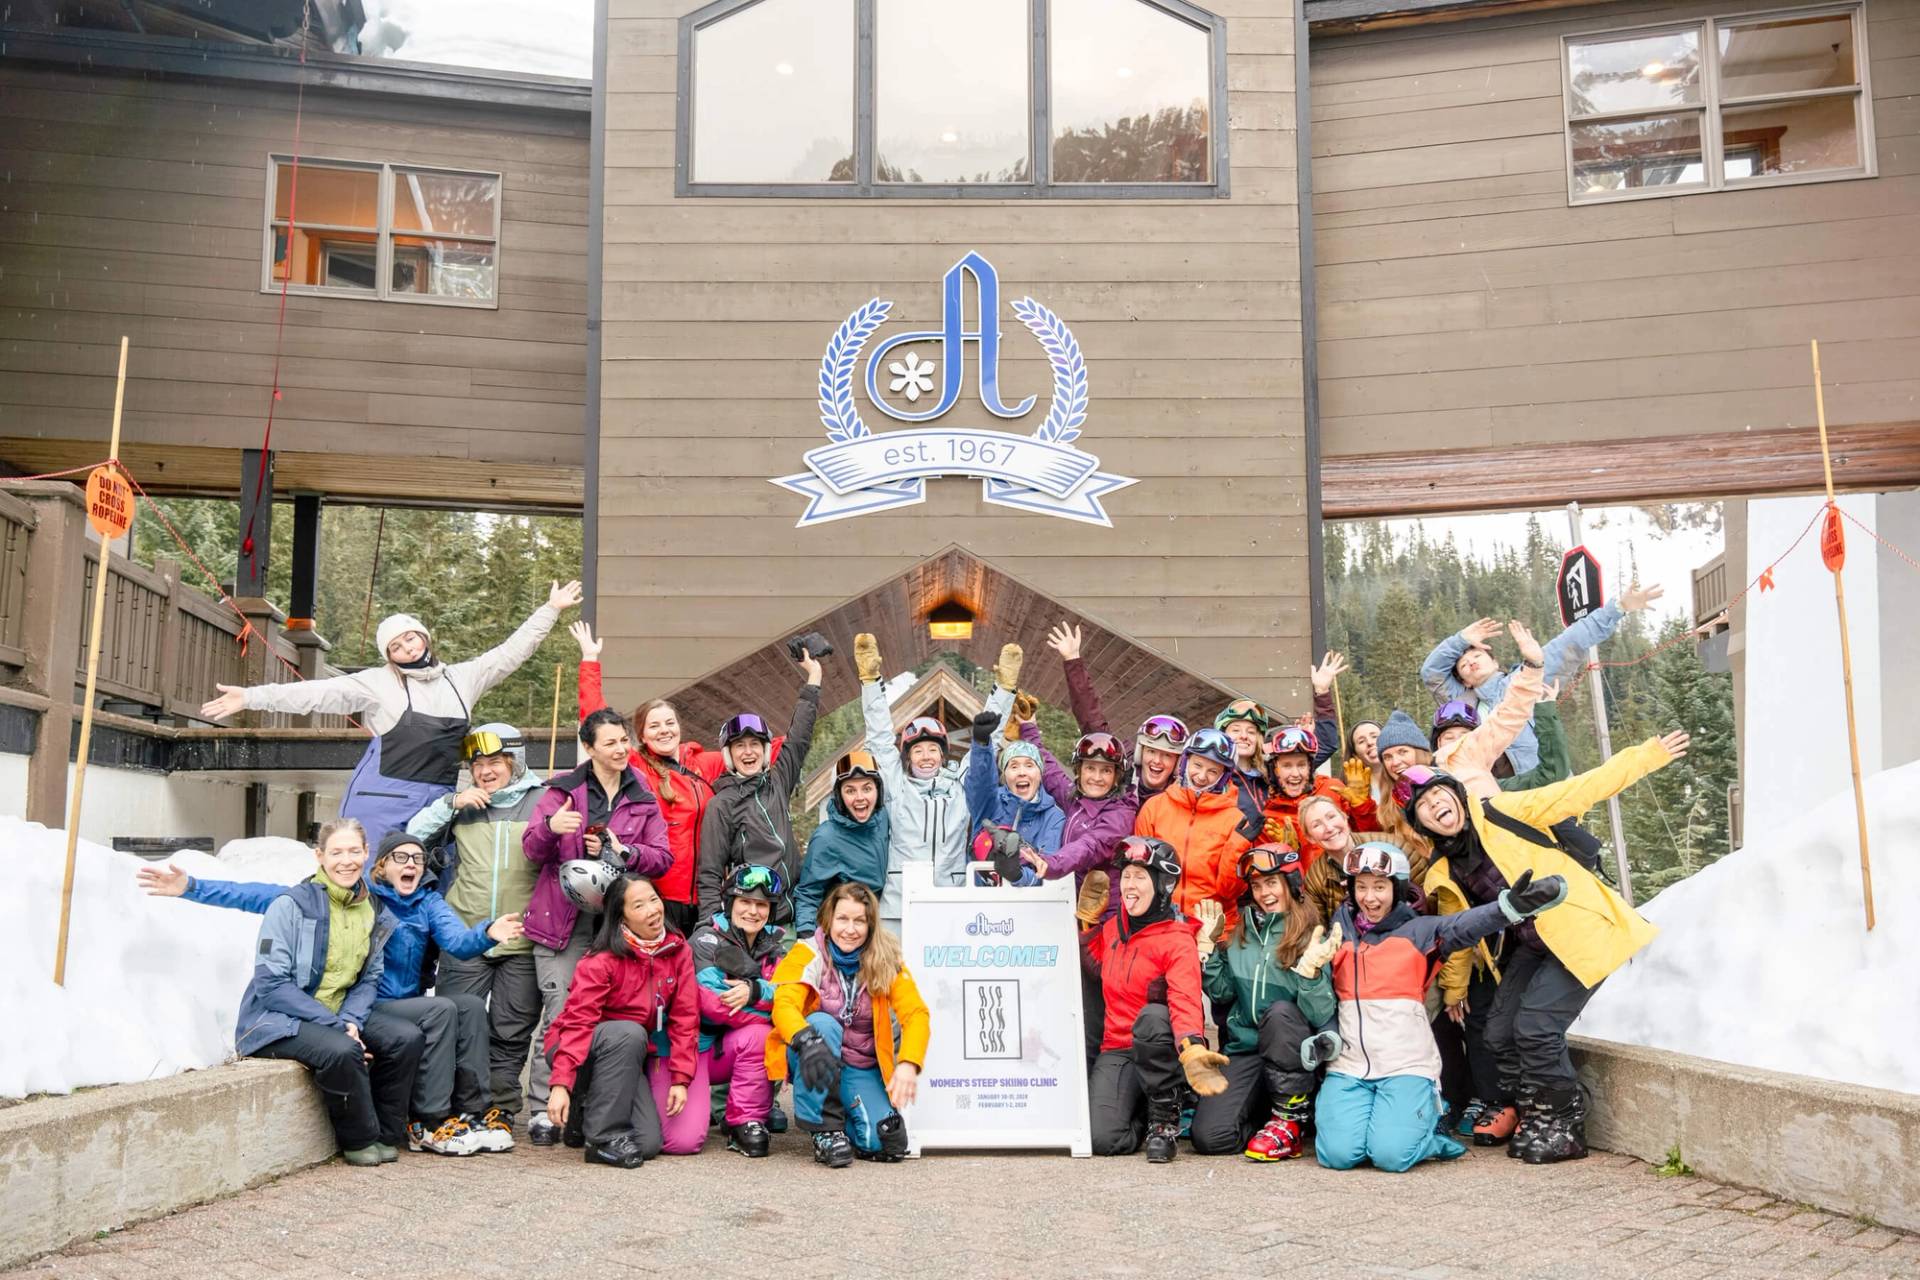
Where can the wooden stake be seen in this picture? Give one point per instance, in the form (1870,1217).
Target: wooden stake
(553,731)
(1846,657)
(86,707)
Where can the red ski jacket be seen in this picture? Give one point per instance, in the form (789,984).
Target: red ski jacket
(659,992)
(1158,964)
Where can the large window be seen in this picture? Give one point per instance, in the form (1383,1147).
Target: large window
(1753,100)
(393,232)
(928,98)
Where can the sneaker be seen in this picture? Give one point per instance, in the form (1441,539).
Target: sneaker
(362,1157)
(542,1132)
(832,1149)
(494,1130)
(451,1138)
(776,1119)
(1495,1126)
(1281,1138)
(1469,1117)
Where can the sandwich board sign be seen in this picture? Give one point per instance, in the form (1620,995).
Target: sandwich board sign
(999,969)
(1579,585)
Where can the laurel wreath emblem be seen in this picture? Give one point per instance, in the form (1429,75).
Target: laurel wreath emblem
(1065,415)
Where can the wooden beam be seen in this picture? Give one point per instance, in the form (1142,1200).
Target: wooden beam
(416,480)
(1343,17)
(1658,469)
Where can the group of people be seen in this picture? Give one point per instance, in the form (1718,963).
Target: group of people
(1390,953)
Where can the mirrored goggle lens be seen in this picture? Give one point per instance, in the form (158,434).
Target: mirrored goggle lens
(1099,745)
(1292,738)
(1133,850)
(1168,727)
(482,742)
(1264,862)
(1370,859)
(745,726)
(764,878)
(1456,710)
(926,725)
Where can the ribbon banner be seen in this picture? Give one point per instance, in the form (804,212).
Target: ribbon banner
(858,472)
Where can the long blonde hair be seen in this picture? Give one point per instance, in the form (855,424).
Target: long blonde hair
(882,961)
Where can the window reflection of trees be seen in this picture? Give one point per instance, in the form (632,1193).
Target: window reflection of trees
(1168,146)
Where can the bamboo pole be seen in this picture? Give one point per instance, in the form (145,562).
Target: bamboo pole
(553,730)
(86,707)
(1846,656)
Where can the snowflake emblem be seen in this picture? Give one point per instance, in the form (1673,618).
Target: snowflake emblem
(914,376)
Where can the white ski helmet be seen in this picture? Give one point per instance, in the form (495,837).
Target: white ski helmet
(586,882)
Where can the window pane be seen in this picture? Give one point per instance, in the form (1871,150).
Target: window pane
(773,94)
(1785,56)
(334,259)
(453,204)
(951,98)
(1624,156)
(1634,73)
(336,197)
(1132,94)
(1805,136)
(443,268)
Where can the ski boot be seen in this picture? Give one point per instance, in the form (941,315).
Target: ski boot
(619,1152)
(776,1118)
(451,1137)
(1495,1125)
(494,1129)
(832,1149)
(893,1142)
(1563,1135)
(750,1139)
(542,1132)
(1284,1136)
(1470,1116)
(1530,1119)
(1163,1127)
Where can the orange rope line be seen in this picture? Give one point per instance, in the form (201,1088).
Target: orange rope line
(55,475)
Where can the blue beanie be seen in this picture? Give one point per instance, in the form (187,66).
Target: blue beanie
(1401,731)
(1017,751)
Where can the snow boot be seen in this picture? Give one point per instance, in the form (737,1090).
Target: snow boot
(750,1139)
(362,1157)
(542,1132)
(1563,1135)
(1163,1127)
(619,1152)
(387,1154)
(1284,1135)
(1470,1116)
(893,1142)
(832,1149)
(1495,1125)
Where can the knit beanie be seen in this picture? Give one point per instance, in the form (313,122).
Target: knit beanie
(1401,731)
(1022,750)
(393,626)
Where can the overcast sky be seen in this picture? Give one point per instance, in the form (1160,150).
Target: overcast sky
(552,38)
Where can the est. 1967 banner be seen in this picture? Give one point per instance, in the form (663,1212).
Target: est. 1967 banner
(1000,971)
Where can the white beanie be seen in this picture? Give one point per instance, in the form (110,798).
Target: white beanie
(393,626)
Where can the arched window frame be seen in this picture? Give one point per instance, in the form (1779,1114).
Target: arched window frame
(1042,187)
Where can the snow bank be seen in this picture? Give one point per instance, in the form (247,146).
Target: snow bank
(153,984)
(1763,958)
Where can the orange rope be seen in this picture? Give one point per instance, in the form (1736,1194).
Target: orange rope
(1865,528)
(70,471)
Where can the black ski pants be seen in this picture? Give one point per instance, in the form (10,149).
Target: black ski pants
(611,1095)
(1223,1123)
(1122,1080)
(367,1102)
(512,991)
(1527,1026)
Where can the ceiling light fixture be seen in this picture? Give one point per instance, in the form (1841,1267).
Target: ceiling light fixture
(950,621)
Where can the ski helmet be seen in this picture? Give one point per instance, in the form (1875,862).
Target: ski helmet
(751,880)
(1213,745)
(1416,782)
(496,739)
(1270,859)
(1161,860)
(922,729)
(1162,733)
(860,764)
(1243,709)
(1455,715)
(1377,857)
(587,881)
(1102,746)
(1292,740)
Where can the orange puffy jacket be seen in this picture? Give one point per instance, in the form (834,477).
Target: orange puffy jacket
(1209,832)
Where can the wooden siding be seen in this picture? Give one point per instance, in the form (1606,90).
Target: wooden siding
(135,204)
(716,313)
(1464,304)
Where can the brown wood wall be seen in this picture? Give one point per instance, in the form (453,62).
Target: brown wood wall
(135,205)
(716,314)
(1463,303)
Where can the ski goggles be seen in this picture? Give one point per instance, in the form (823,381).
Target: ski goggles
(923,729)
(1456,712)
(754,878)
(1375,859)
(746,725)
(858,764)
(1291,740)
(1167,732)
(485,742)
(1267,860)
(1243,709)
(1416,776)
(1099,746)
(1136,851)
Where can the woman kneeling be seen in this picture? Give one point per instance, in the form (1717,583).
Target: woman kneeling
(637,975)
(836,997)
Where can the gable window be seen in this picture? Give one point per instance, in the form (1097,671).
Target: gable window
(1754,100)
(918,98)
(397,233)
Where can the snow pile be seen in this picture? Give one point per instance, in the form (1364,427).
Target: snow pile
(153,984)
(1763,959)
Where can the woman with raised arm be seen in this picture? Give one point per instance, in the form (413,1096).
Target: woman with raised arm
(1156,745)
(417,708)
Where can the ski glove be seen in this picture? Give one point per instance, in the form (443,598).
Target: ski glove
(819,1064)
(1318,1050)
(1213,918)
(1006,672)
(1319,949)
(1095,891)
(866,657)
(983,726)
(1202,1066)
(1529,897)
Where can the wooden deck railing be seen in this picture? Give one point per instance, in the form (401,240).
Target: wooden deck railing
(1710,591)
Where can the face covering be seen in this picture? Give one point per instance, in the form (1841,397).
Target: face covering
(420,663)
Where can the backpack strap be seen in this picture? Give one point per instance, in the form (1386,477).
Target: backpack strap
(1513,826)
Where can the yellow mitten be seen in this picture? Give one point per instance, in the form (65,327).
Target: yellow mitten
(1202,1066)
(1006,672)
(866,657)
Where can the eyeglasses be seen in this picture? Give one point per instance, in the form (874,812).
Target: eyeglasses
(1167,728)
(1372,858)
(405,856)
(485,742)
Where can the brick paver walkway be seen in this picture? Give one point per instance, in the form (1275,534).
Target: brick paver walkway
(537,1213)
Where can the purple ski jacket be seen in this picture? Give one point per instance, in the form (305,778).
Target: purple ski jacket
(636,821)
(1093,826)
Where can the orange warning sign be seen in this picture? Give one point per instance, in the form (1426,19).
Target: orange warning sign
(109,502)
